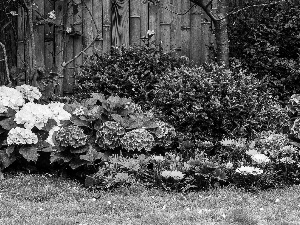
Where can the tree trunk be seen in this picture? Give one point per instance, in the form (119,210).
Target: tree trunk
(221,34)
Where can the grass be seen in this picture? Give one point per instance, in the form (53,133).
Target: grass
(49,200)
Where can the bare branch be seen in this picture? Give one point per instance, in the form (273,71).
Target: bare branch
(205,9)
(64,64)
(252,6)
(6,63)
(208,4)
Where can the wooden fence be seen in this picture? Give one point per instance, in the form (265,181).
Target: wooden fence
(107,23)
(104,23)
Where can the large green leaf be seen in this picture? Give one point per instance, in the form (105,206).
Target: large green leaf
(8,123)
(76,163)
(49,125)
(29,153)
(92,155)
(9,150)
(6,160)
(9,113)
(221,175)
(79,150)
(118,118)
(89,181)
(60,157)
(79,122)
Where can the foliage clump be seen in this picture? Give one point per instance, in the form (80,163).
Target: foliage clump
(127,72)
(267,44)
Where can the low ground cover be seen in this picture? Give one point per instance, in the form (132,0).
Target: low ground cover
(46,199)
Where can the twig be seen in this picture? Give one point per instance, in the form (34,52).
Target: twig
(251,6)
(6,64)
(180,14)
(64,64)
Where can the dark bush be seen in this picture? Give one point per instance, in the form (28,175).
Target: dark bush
(217,102)
(268,44)
(127,72)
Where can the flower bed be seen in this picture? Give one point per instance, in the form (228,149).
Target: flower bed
(112,142)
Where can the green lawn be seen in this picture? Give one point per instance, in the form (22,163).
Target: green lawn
(37,199)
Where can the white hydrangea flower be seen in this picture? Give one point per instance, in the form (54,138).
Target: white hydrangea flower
(29,92)
(249,170)
(177,175)
(10,97)
(51,132)
(20,136)
(33,115)
(260,158)
(79,111)
(58,112)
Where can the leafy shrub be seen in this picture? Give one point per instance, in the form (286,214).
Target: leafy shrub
(127,72)
(169,172)
(212,103)
(270,160)
(267,43)
(78,135)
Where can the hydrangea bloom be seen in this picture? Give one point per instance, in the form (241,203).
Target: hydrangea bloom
(177,175)
(249,170)
(138,139)
(20,136)
(10,97)
(29,92)
(58,113)
(260,158)
(71,136)
(165,133)
(109,134)
(37,115)
(33,115)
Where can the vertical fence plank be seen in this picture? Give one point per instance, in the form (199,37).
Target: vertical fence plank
(135,22)
(39,33)
(49,37)
(154,21)
(69,50)
(120,22)
(21,42)
(59,45)
(144,19)
(175,26)
(77,48)
(106,25)
(212,37)
(185,28)
(97,12)
(195,43)
(165,25)
(205,36)
(88,25)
